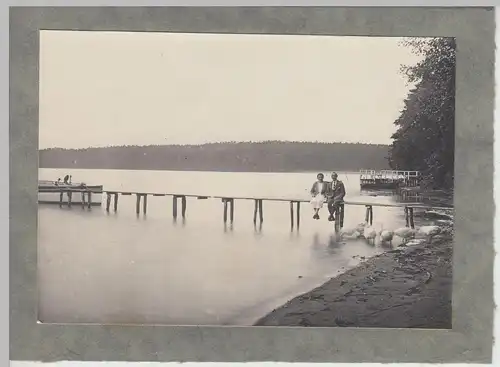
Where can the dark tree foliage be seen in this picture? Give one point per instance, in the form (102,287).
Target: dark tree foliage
(425,138)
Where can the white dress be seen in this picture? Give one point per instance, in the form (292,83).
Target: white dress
(318,200)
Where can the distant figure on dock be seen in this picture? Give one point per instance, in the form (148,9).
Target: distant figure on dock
(67,180)
(335,194)
(58,182)
(318,192)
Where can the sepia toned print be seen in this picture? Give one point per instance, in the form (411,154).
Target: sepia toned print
(191,179)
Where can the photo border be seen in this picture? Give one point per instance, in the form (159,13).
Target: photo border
(470,340)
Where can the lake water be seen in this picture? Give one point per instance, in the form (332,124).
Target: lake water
(98,267)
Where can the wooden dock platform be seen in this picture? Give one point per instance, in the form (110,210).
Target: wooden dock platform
(112,200)
(388,179)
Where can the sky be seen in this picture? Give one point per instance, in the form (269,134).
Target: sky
(121,88)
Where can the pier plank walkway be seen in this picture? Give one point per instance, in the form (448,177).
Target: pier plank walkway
(228,204)
(295,200)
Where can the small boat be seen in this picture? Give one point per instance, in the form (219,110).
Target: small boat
(57,192)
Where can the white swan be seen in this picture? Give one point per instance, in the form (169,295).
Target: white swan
(350,234)
(361,227)
(370,233)
(386,236)
(405,233)
(429,231)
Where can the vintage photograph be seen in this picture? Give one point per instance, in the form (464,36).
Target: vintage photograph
(245,180)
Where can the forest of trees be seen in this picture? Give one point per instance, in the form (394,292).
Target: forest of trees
(270,156)
(425,136)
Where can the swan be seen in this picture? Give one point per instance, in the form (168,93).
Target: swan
(405,233)
(429,231)
(386,236)
(361,227)
(370,233)
(350,234)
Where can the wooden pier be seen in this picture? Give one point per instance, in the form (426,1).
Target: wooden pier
(387,179)
(229,206)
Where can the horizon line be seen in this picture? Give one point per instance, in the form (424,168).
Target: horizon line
(213,143)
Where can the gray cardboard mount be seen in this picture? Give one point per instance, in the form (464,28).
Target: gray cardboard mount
(471,337)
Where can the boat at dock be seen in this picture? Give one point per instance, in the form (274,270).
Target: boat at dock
(54,192)
(387,179)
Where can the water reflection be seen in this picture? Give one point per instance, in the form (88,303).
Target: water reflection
(228,228)
(183,221)
(386,245)
(334,240)
(316,242)
(409,197)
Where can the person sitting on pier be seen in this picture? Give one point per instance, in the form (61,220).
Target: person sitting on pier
(335,194)
(58,181)
(318,192)
(66,180)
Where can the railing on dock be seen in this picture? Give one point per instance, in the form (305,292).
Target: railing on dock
(228,204)
(380,179)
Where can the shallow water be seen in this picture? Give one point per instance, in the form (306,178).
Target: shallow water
(98,267)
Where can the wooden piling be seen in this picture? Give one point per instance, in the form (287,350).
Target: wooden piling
(83,199)
(183,206)
(231,210)
(261,210)
(225,210)
(61,195)
(108,201)
(70,197)
(115,202)
(368,215)
(407,219)
(255,211)
(291,215)
(138,203)
(412,224)
(90,200)
(298,214)
(145,203)
(341,215)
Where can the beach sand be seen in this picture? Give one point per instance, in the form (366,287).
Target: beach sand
(407,287)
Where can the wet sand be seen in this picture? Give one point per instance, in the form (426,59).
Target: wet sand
(407,287)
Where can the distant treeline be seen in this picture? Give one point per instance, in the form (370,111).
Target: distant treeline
(269,156)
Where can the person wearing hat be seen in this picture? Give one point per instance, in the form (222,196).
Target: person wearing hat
(318,192)
(336,193)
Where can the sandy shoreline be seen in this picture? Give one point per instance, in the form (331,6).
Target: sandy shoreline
(408,287)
